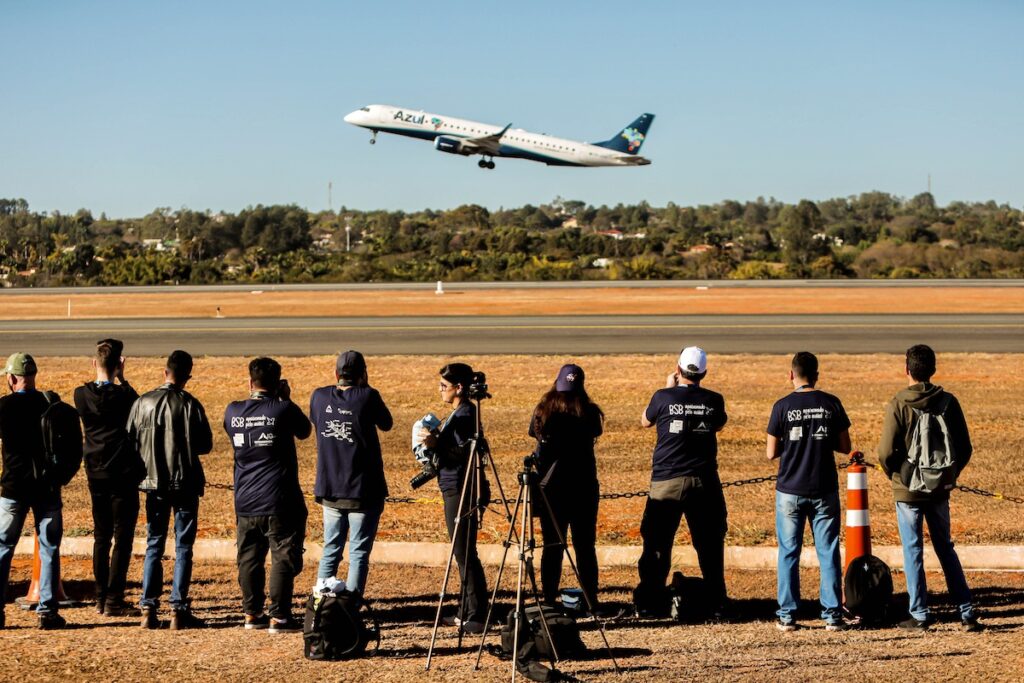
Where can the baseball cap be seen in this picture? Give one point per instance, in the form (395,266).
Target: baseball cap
(570,378)
(20,364)
(693,359)
(351,365)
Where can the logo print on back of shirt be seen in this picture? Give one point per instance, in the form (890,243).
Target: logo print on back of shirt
(329,410)
(820,433)
(338,430)
(702,428)
(796,433)
(239,438)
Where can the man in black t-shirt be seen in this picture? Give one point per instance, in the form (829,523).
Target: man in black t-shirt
(269,506)
(804,431)
(684,481)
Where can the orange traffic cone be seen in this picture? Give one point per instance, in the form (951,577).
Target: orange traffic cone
(858,524)
(32,598)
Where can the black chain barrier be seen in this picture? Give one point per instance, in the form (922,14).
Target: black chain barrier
(643,494)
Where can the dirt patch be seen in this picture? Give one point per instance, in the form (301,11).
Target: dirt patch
(102,648)
(171,304)
(986,385)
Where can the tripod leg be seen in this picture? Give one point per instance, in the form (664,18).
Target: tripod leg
(572,563)
(497,581)
(531,543)
(471,515)
(519,580)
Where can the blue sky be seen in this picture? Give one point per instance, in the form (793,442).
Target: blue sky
(122,107)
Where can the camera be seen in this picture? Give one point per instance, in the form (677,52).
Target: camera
(477,389)
(424,456)
(429,471)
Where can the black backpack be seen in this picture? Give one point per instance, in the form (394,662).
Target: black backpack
(868,588)
(62,440)
(335,628)
(533,640)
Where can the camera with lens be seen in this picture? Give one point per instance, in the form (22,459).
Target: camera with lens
(477,389)
(429,471)
(427,458)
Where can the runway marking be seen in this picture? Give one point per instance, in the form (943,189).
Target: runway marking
(382,328)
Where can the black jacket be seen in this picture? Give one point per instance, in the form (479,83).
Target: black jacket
(565,450)
(169,428)
(109,453)
(23,452)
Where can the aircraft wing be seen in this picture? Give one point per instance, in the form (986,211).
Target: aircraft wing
(487,144)
(633,160)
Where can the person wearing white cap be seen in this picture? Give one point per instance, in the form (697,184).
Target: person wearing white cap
(684,481)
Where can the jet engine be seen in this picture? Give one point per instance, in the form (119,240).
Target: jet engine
(452,145)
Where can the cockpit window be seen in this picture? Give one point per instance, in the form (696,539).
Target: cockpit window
(364,109)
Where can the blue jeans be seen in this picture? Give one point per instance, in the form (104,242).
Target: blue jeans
(158,513)
(361,529)
(49,529)
(791,512)
(909,517)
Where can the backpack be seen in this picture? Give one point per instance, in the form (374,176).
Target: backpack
(533,640)
(932,462)
(868,589)
(335,629)
(62,440)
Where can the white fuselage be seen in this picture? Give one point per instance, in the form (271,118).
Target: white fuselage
(516,142)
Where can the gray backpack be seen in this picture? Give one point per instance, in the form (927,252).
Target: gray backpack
(932,462)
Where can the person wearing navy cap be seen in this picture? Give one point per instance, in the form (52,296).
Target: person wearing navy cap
(566,425)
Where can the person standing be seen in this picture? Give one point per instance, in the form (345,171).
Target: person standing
(914,508)
(684,481)
(350,484)
(566,425)
(114,469)
(452,442)
(269,507)
(25,486)
(804,430)
(168,427)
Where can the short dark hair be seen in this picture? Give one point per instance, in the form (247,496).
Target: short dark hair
(179,364)
(457,373)
(108,354)
(805,366)
(265,373)
(694,377)
(921,362)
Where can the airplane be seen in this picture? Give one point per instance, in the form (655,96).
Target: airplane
(460,136)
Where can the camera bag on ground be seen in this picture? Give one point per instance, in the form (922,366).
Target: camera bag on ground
(336,626)
(533,640)
(62,440)
(868,589)
(931,462)
(687,601)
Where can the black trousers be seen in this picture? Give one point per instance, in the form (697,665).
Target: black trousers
(701,500)
(576,511)
(283,535)
(115,511)
(471,573)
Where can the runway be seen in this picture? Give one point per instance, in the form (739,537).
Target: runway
(834,333)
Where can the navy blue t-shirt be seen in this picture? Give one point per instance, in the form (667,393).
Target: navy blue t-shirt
(688,418)
(808,425)
(262,431)
(453,442)
(349,464)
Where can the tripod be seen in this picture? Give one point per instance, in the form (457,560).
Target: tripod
(471,508)
(528,479)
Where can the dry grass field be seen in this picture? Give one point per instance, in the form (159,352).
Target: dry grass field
(33,306)
(987,386)
(102,648)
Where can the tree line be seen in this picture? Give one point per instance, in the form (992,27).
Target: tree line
(871,235)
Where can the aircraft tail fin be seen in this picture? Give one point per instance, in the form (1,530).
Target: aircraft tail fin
(631,138)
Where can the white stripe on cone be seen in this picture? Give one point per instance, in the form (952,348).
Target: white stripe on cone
(857,481)
(857,518)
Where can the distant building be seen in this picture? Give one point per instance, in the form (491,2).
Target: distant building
(571,222)
(614,233)
(602,262)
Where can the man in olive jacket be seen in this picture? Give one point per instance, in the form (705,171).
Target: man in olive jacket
(914,508)
(169,428)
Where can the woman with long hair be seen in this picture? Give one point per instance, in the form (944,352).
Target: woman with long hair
(566,425)
(452,442)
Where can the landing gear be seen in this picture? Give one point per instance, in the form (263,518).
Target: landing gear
(485,164)
(373,140)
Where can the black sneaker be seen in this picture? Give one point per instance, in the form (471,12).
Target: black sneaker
(257,622)
(183,618)
(469,626)
(971,625)
(101,604)
(286,625)
(786,626)
(51,621)
(913,624)
(149,618)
